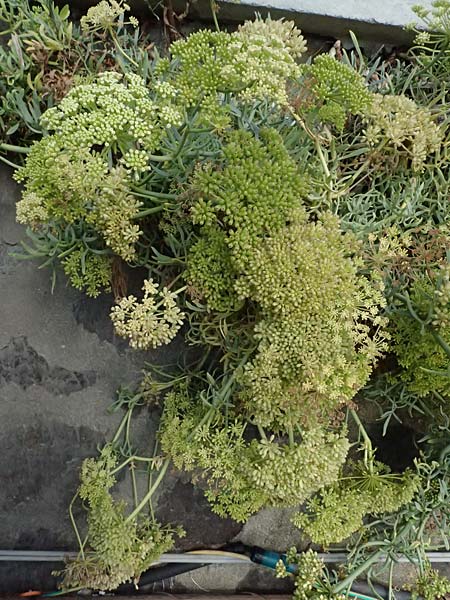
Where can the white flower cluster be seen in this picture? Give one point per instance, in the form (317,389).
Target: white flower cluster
(403,129)
(30,210)
(150,323)
(103,15)
(266,53)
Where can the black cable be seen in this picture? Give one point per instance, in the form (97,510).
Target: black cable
(159,573)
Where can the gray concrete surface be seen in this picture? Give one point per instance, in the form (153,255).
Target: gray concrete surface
(381,21)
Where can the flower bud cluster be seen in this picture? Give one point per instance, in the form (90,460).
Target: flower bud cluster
(316,345)
(311,576)
(255,62)
(254,193)
(112,112)
(103,15)
(431,585)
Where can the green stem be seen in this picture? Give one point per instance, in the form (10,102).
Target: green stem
(206,417)
(182,143)
(9,162)
(64,591)
(368,449)
(361,427)
(74,525)
(16,149)
(150,503)
(261,432)
(347,582)
(130,459)
(438,339)
(150,492)
(128,425)
(321,155)
(149,211)
(133,482)
(391,574)
(121,50)
(120,428)
(291,435)
(406,299)
(213,6)
(155,195)
(161,158)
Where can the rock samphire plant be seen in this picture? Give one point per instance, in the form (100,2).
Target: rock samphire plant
(289,219)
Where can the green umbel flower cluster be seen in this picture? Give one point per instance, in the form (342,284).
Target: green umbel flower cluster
(87,271)
(243,476)
(433,49)
(312,580)
(338,511)
(422,349)
(317,346)
(255,62)
(401,131)
(123,547)
(150,323)
(74,186)
(338,90)
(255,192)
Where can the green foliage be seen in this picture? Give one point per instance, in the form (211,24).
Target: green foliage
(46,52)
(88,272)
(421,336)
(433,46)
(300,206)
(37,34)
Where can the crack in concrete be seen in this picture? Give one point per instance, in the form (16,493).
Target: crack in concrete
(21,364)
